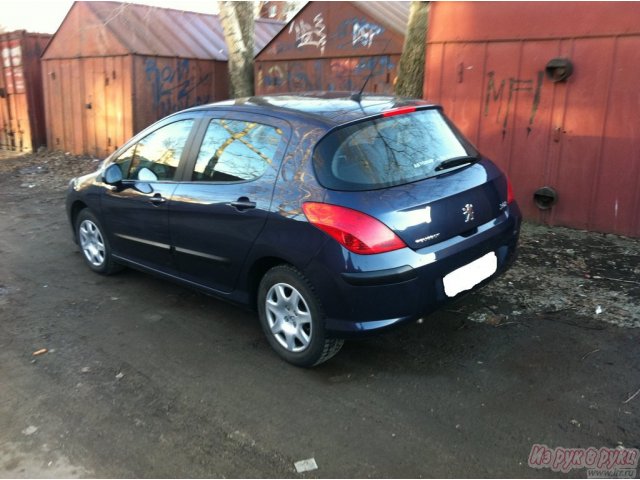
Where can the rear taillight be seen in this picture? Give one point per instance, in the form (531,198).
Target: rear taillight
(510,196)
(356,231)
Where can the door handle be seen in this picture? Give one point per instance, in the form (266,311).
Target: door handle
(243,203)
(157,199)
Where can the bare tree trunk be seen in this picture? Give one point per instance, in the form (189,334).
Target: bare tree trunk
(237,20)
(411,69)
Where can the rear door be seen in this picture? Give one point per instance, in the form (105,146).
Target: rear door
(137,214)
(220,207)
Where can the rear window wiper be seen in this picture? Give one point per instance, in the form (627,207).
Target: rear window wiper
(456,162)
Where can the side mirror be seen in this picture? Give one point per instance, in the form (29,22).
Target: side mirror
(112,175)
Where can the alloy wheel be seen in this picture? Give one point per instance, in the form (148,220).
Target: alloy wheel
(289,317)
(92,243)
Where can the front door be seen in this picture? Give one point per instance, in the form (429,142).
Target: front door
(137,214)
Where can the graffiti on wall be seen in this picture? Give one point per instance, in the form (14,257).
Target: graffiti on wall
(174,87)
(364,33)
(310,34)
(374,65)
(357,33)
(273,78)
(351,33)
(349,74)
(298,79)
(495,95)
(338,74)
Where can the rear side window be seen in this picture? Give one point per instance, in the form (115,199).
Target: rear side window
(388,151)
(236,151)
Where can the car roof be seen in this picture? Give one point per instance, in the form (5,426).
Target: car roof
(329,108)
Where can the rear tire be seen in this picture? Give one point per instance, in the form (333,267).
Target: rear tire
(93,244)
(292,319)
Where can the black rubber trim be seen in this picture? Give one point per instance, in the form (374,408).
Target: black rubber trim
(381,277)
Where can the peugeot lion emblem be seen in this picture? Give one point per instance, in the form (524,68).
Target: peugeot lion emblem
(467,211)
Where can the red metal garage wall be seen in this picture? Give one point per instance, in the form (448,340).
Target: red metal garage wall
(335,46)
(113,68)
(485,64)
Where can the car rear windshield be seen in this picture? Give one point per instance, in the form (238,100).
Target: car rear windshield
(390,151)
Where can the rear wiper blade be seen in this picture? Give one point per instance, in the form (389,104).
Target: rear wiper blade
(456,161)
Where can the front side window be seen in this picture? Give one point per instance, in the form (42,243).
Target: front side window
(388,151)
(159,153)
(236,151)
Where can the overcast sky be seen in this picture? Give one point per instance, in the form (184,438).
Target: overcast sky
(45,16)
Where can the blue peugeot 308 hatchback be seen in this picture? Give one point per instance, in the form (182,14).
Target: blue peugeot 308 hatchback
(332,215)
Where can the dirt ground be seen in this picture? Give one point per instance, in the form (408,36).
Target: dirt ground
(143,378)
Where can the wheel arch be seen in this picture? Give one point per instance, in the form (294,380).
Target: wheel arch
(75,210)
(255,273)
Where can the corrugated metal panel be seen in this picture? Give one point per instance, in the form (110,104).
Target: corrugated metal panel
(21,95)
(266,29)
(150,30)
(88,104)
(335,49)
(82,34)
(579,136)
(124,28)
(394,15)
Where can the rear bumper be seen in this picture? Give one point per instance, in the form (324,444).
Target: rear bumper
(366,294)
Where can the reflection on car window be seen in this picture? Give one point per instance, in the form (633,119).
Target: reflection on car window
(159,152)
(234,151)
(386,152)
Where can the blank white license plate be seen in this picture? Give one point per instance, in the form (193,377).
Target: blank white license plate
(471,274)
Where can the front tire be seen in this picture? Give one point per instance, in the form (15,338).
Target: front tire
(93,244)
(292,319)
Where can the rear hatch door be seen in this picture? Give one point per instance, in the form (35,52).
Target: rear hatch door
(415,172)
